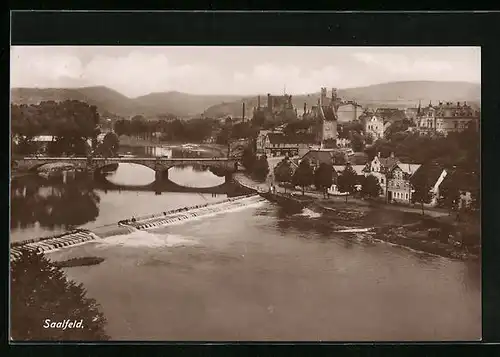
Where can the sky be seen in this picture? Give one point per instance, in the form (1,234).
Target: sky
(139,70)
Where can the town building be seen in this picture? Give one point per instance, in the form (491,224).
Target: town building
(261,141)
(411,113)
(399,188)
(343,143)
(349,111)
(391,115)
(375,127)
(325,113)
(445,118)
(278,144)
(378,167)
(278,107)
(325,156)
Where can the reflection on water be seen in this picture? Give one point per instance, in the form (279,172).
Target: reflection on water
(131,174)
(188,176)
(41,208)
(33,201)
(202,178)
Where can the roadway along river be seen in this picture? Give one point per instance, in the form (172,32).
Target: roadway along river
(253,274)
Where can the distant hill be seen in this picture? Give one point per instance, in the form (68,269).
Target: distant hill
(394,94)
(182,104)
(106,99)
(110,101)
(397,94)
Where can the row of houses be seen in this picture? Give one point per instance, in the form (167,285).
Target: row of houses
(394,176)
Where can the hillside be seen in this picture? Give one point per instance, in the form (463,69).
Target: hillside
(395,94)
(402,94)
(110,101)
(182,104)
(106,100)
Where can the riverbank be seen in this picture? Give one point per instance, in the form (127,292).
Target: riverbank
(437,232)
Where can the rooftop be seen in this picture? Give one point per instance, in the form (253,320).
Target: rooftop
(278,138)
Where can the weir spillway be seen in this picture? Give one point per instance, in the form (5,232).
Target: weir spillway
(177,216)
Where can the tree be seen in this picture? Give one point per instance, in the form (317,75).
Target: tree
(261,168)
(110,145)
(422,188)
(72,123)
(283,172)
(323,177)
(122,127)
(330,144)
(347,180)
(370,187)
(357,142)
(303,176)
(369,139)
(41,291)
(248,159)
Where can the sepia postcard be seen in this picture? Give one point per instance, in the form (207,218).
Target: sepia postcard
(245,193)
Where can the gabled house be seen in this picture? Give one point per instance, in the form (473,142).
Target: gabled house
(381,168)
(286,161)
(374,126)
(399,188)
(278,144)
(325,156)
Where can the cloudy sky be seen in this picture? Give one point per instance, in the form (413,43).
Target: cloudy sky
(136,71)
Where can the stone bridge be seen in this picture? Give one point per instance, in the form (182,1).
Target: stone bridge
(159,165)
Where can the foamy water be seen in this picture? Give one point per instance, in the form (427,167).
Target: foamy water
(306,212)
(148,240)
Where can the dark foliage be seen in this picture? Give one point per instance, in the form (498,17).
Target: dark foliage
(283,172)
(347,180)
(304,175)
(72,122)
(41,291)
(370,187)
(323,177)
(260,168)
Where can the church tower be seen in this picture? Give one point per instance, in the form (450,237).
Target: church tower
(328,116)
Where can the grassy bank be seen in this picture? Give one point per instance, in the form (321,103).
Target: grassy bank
(439,233)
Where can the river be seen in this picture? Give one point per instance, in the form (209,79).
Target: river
(258,273)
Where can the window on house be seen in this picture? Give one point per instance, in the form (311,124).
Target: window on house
(406,196)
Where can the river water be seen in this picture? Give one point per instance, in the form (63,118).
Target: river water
(257,273)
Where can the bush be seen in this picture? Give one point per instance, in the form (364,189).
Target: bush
(40,291)
(77,262)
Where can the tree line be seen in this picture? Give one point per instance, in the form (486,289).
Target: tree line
(324,176)
(193,130)
(71,123)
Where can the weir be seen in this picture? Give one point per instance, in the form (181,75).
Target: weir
(194,212)
(80,236)
(44,245)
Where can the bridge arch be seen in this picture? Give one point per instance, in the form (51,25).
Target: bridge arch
(160,165)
